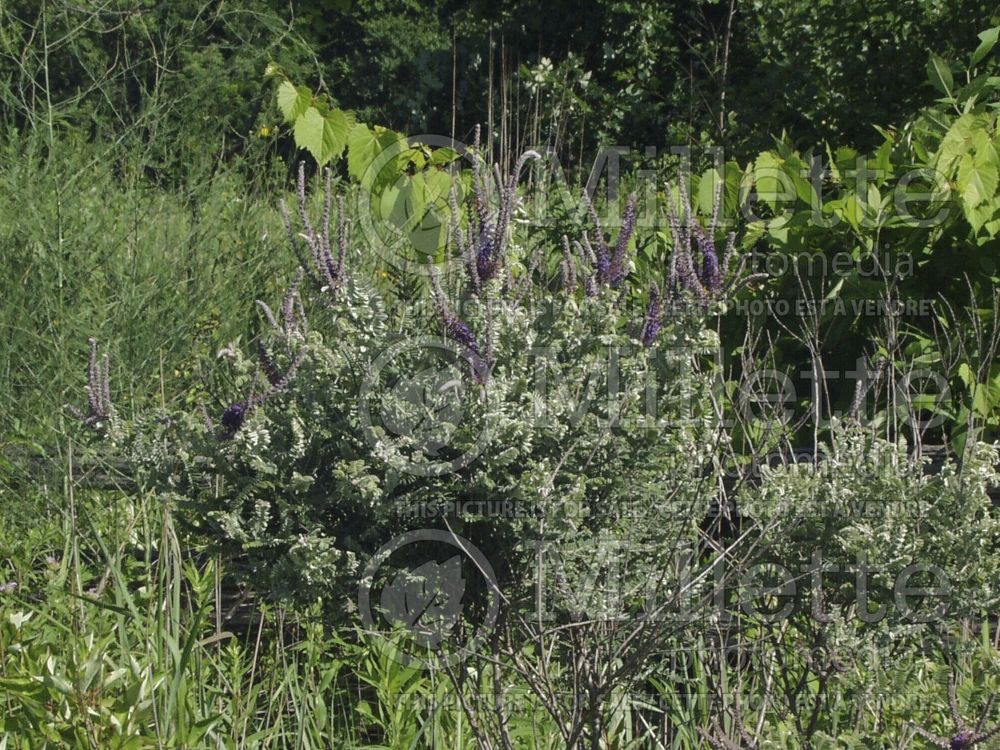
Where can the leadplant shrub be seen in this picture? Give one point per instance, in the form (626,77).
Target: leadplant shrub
(577,413)
(549,402)
(568,430)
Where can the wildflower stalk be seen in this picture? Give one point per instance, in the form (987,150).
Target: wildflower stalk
(484,255)
(100,411)
(323,269)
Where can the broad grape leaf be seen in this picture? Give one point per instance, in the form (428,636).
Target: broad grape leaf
(365,145)
(773,183)
(977,179)
(323,137)
(293,101)
(957,142)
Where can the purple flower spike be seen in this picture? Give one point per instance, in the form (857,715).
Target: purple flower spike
(323,269)
(603,265)
(98,390)
(454,327)
(654,318)
(486,260)
(598,252)
(610,267)
(267,364)
(458,330)
(617,266)
(567,269)
(963,739)
(485,249)
(711,274)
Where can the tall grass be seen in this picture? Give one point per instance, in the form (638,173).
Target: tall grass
(115,638)
(91,247)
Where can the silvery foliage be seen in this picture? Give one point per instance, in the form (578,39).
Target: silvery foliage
(870,502)
(575,426)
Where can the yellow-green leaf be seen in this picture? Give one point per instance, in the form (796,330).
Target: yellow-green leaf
(293,101)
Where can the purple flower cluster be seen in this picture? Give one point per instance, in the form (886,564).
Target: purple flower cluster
(458,330)
(454,327)
(619,266)
(610,268)
(267,363)
(232,418)
(98,388)
(483,245)
(654,318)
(323,269)
(236,414)
(487,257)
(480,358)
(567,268)
(695,265)
(964,738)
(711,274)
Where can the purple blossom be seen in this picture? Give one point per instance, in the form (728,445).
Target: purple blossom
(281,384)
(324,270)
(233,417)
(567,268)
(711,274)
(487,262)
(454,327)
(267,364)
(458,330)
(618,265)
(98,389)
(484,256)
(6,588)
(696,267)
(292,312)
(610,268)
(598,251)
(963,739)
(654,318)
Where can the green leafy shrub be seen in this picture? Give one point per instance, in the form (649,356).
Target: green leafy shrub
(569,406)
(588,413)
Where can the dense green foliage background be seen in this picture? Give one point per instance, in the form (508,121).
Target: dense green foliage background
(635,73)
(141,161)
